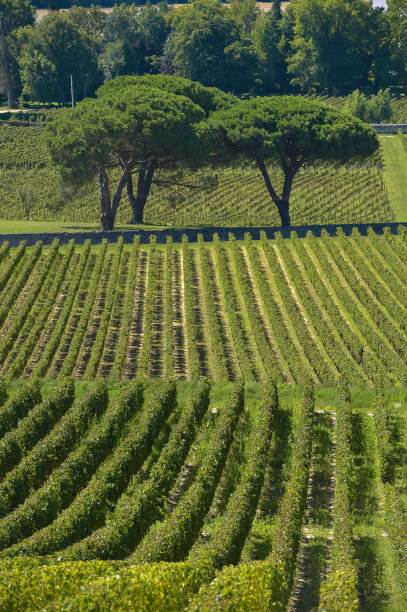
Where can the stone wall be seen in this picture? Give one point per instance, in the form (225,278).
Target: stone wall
(389,128)
(192,234)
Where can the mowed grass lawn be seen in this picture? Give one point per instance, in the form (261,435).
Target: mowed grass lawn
(395,174)
(21,227)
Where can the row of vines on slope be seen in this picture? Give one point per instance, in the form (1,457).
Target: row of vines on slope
(287,309)
(143,500)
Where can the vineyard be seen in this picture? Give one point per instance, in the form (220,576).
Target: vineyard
(398,105)
(204,427)
(197,424)
(222,496)
(30,189)
(282,309)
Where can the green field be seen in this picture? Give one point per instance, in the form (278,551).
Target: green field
(30,191)
(395,172)
(34,227)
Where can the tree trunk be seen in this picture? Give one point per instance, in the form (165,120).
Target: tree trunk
(283,208)
(102,194)
(106,220)
(283,203)
(139,201)
(6,59)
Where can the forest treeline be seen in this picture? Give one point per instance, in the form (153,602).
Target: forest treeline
(332,46)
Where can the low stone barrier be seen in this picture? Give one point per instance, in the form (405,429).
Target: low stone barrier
(192,233)
(389,128)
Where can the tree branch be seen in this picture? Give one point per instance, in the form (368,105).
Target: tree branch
(270,189)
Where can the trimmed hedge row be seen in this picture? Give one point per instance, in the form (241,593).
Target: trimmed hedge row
(3,392)
(317,366)
(4,250)
(395,514)
(228,538)
(141,504)
(350,340)
(258,331)
(290,518)
(158,587)
(27,584)
(169,312)
(37,317)
(19,405)
(88,511)
(336,351)
(29,300)
(148,322)
(396,521)
(9,266)
(33,427)
(215,333)
(389,316)
(45,504)
(381,324)
(339,591)
(398,246)
(99,343)
(388,261)
(352,311)
(55,336)
(266,585)
(52,450)
(230,299)
(249,587)
(82,325)
(193,357)
(383,435)
(282,338)
(123,340)
(8,298)
(172,539)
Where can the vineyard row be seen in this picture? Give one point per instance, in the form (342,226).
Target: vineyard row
(281,309)
(212,497)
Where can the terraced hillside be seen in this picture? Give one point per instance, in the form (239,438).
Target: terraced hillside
(282,309)
(30,190)
(202,497)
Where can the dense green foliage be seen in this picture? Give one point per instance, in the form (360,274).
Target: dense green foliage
(375,109)
(312,45)
(291,132)
(53,51)
(142,126)
(356,102)
(339,589)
